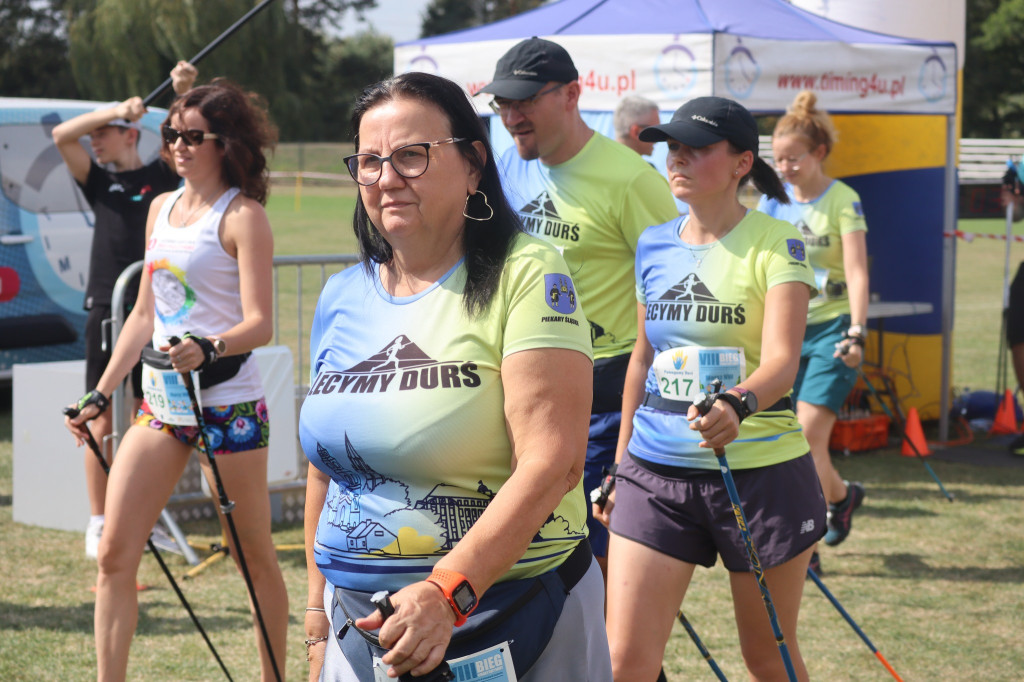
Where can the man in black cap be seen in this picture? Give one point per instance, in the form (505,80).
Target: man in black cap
(591,197)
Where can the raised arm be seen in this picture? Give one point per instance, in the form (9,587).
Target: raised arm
(66,135)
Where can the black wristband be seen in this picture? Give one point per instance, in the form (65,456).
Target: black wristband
(854,340)
(735,403)
(209,352)
(93,397)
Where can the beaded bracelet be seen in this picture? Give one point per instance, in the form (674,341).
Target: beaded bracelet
(314,640)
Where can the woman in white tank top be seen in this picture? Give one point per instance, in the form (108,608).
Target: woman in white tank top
(209,252)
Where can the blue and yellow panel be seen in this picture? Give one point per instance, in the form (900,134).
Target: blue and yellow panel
(897,165)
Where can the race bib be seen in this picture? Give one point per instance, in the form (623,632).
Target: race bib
(165,393)
(490,665)
(683,372)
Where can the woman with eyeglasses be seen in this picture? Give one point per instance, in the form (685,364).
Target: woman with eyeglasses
(208,258)
(446,423)
(829,214)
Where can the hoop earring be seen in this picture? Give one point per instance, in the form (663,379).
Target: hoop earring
(465,210)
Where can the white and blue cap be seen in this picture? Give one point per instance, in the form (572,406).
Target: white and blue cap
(706,120)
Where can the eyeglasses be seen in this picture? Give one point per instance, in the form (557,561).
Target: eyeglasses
(792,161)
(192,138)
(409,161)
(500,105)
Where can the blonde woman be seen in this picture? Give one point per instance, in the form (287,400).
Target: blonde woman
(830,217)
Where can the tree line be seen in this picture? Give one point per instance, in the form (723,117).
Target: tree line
(290,53)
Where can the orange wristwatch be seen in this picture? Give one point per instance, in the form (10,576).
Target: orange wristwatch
(457,590)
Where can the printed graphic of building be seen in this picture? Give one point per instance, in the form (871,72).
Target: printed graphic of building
(456,510)
(344,509)
(370,536)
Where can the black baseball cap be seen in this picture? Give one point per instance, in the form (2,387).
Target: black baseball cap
(706,120)
(529,66)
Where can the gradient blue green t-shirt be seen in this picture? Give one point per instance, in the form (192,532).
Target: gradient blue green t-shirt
(406,415)
(713,297)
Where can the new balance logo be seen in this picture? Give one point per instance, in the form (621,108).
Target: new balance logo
(807,526)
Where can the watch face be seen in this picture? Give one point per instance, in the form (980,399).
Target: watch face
(219,346)
(464,597)
(751,401)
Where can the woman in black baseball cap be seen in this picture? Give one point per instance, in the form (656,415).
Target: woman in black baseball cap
(722,295)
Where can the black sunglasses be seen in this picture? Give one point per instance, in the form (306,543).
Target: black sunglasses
(192,138)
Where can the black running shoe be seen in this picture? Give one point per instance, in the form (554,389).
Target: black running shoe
(840,516)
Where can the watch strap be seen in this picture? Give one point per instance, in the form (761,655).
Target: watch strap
(448,582)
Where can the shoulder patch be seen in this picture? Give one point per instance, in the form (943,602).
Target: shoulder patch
(560,293)
(796,249)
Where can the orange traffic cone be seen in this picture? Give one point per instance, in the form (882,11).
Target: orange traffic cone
(914,436)
(1006,416)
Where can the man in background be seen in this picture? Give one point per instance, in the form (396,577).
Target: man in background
(591,198)
(633,114)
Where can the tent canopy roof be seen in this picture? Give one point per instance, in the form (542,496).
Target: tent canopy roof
(774,19)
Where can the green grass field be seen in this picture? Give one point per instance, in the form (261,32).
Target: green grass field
(936,586)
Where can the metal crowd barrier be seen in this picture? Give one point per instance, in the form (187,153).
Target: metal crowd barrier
(290,329)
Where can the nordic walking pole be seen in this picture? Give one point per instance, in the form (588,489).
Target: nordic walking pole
(209,48)
(700,646)
(95,447)
(853,624)
(903,433)
(226,507)
(703,404)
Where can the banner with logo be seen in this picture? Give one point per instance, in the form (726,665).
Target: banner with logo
(767,74)
(763,74)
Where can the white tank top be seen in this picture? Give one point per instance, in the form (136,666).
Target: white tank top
(196,289)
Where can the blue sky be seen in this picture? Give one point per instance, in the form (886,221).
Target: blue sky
(398,18)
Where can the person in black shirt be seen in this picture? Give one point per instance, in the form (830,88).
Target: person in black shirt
(119,187)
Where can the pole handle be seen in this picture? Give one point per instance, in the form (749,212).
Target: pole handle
(703,404)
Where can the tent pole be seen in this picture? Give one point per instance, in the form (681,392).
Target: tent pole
(948,275)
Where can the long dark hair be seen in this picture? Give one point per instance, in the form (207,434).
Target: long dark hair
(764,177)
(485,243)
(243,130)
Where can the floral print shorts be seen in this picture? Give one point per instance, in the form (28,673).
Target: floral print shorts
(229,428)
